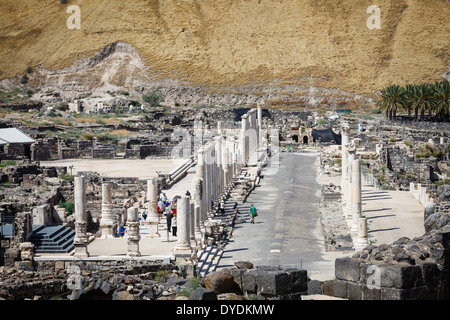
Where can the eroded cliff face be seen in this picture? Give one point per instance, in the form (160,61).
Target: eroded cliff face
(254,48)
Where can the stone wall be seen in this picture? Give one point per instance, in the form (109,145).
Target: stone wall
(407,269)
(103,153)
(77,278)
(41,151)
(67,153)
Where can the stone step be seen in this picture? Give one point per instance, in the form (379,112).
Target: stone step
(52,239)
(208,261)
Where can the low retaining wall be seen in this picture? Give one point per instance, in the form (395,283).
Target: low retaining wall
(417,269)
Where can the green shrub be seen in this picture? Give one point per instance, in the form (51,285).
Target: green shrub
(66,177)
(154,98)
(7,163)
(68,205)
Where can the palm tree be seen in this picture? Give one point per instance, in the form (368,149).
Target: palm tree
(409,88)
(392,99)
(422,99)
(442,99)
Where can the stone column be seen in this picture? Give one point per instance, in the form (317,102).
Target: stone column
(199,187)
(133,236)
(198,230)
(344,161)
(259,126)
(153,217)
(107,223)
(192,228)
(81,239)
(356,195)
(362,240)
(243,139)
(225,167)
(219,167)
(183,248)
(351,155)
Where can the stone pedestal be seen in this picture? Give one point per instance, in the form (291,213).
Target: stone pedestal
(183,250)
(133,236)
(153,217)
(106,222)
(80,240)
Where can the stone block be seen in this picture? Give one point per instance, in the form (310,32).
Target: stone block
(60,265)
(273,283)
(370,293)
(249,280)
(400,276)
(430,273)
(314,287)
(340,288)
(347,269)
(298,281)
(394,294)
(203,294)
(354,291)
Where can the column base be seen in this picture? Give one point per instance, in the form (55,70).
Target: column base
(81,251)
(361,243)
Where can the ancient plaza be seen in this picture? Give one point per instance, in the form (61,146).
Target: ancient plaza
(314,217)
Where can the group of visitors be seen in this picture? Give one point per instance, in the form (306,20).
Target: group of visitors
(168,209)
(165,208)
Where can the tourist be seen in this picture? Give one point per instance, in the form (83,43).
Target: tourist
(121,231)
(168,215)
(252,212)
(162,207)
(145,214)
(164,197)
(174,225)
(222,207)
(188,194)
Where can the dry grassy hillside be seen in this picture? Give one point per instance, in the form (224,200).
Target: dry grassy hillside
(225,44)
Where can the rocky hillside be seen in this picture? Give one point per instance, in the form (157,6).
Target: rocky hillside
(224,51)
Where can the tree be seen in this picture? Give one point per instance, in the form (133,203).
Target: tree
(392,99)
(442,99)
(421,99)
(154,98)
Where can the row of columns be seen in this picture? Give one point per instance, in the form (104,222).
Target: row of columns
(107,223)
(218,164)
(351,188)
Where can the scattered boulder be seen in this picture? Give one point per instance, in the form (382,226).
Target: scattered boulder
(243,265)
(220,281)
(436,221)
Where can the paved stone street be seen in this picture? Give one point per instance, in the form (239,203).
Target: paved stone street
(287,230)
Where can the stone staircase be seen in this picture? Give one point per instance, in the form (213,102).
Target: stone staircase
(52,239)
(209,257)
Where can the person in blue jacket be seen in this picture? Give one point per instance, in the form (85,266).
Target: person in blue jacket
(121,231)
